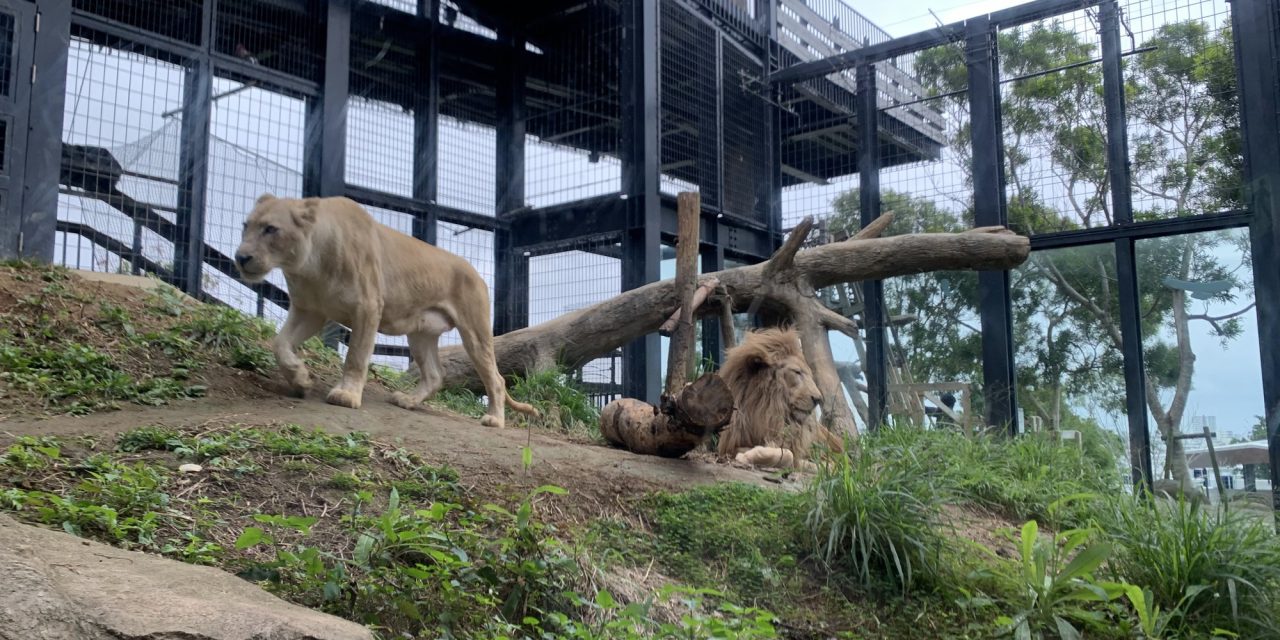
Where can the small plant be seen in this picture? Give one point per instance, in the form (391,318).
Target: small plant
(460,401)
(1055,584)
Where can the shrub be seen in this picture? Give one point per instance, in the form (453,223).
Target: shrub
(875,513)
(562,404)
(1205,568)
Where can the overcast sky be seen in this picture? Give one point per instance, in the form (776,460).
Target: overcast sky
(117,101)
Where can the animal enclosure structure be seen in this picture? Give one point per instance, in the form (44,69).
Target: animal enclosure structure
(546,142)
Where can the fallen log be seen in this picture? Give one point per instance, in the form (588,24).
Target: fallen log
(576,338)
(684,422)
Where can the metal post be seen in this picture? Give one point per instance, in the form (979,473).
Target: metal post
(1126,266)
(193,163)
(511,282)
(324,169)
(712,347)
(39,196)
(641,240)
(998,374)
(1255,28)
(772,186)
(873,314)
(326,134)
(426,123)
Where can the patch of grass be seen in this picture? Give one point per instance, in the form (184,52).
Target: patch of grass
(564,407)
(1204,568)
(874,513)
(78,379)
(460,401)
(1020,478)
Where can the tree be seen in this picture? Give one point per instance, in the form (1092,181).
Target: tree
(1185,147)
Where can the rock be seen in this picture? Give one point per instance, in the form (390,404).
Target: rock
(59,587)
(190,468)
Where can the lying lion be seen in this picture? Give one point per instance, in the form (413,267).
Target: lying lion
(342,265)
(775,395)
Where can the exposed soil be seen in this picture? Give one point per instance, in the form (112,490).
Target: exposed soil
(489,458)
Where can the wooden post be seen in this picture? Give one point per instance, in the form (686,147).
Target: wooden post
(679,358)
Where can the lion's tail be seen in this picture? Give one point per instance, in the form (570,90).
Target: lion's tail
(512,403)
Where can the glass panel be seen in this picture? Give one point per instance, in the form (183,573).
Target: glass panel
(1200,348)
(7,42)
(1069,364)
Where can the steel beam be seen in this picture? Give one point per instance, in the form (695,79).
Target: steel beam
(43,154)
(641,240)
(712,258)
(1256,26)
(1005,18)
(1143,230)
(1126,265)
(324,170)
(426,122)
(873,315)
(193,163)
(511,281)
(998,373)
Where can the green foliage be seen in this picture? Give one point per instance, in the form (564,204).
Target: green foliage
(737,535)
(633,621)
(122,504)
(1204,569)
(1022,477)
(79,379)
(446,569)
(874,513)
(291,440)
(562,404)
(1055,584)
(460,401)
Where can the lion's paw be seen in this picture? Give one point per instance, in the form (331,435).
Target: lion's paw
(343,398)
(404,400)
(299,382)
(492,421)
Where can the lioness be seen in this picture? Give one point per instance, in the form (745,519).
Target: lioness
(342,265)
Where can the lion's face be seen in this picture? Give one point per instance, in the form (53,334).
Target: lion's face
(795,377)
(276,234)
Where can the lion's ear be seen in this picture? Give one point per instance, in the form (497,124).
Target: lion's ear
(304,213)
(266,197)
(758,362)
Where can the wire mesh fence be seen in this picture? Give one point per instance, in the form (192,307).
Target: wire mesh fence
(573,106)
(119,158)
(568,278)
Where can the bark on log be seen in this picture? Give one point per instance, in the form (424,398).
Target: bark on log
(576,338)
(679,365)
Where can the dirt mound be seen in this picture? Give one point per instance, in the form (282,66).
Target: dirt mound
(159,335)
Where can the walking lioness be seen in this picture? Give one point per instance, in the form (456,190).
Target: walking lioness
(342,265)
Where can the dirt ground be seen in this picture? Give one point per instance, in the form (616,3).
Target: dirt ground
(486,457)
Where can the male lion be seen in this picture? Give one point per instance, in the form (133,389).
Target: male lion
(775,396)
(342,265)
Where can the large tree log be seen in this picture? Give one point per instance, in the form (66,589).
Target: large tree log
(576,338)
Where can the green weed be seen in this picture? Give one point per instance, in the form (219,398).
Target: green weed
(1203,568)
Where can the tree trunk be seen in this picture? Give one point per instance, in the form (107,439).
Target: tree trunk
(576,338)
(679,361)
(784,287)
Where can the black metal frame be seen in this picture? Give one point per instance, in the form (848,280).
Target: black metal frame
(39,195)
(1255,26)
(1257,31)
